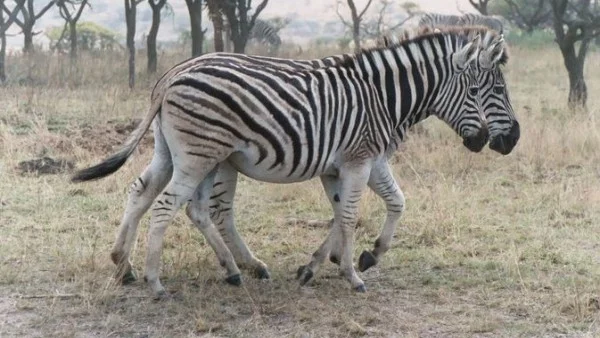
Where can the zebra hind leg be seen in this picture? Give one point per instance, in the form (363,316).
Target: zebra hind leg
(198,211)
(141,194)
(178,191)
(222,215)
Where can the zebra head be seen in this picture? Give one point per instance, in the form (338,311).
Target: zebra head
(502,123)
(458,103)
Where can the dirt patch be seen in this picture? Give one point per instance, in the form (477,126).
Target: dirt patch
(45,166)
(108,138)
(99,139)
(16,321)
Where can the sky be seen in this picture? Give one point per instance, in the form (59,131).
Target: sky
(320,14)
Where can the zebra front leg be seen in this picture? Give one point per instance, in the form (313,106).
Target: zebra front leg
(198,211)
(352,179)
(141,194)
(179,190)
(222,215)
(382,182)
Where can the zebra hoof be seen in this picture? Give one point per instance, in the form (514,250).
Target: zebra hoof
(361,288)
(262,273)
(160,295)
(235,280)
(304,274)
(334,259)
(366,260)
(128,277)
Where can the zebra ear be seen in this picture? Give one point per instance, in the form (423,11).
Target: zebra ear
(466,54)
(490,56)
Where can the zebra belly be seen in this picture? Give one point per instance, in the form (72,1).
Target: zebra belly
(278,174)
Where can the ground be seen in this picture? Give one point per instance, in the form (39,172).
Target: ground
(489,245)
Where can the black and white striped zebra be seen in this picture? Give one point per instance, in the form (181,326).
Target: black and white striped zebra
(265,33)
(504,133)
(280,125)
(468,19)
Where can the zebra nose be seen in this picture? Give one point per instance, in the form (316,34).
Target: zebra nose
(476,142)
(504,144)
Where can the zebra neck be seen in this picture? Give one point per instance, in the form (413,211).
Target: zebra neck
(406,78)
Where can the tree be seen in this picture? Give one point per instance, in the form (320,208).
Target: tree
(575,22)
(157,6)
(356,20)
(29,20)
(240,21)
(130,15)
(480,5)
(197,34)
(90,37)
(529,14)
(216,16)
(4,25)
(71,19)
(380,26)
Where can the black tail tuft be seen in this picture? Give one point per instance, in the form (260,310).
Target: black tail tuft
(105,168)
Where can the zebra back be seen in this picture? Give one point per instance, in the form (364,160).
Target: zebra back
(469,19)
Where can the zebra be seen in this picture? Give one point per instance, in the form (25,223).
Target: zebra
(503,126)
(468,19)
(265,33)
(336,122)
(262,32)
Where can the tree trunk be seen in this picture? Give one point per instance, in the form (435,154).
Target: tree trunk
(483,9)
(356,34)
(227,37)
(217,20)
(574,64)
(151,40)
(73,37)
(239,44)
(130,14)
(195,12)
(27,38)
(2,50)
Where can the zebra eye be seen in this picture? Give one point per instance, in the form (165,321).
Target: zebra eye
(473,91)
(499,89)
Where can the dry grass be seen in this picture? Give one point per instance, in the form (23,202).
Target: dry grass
(488,246)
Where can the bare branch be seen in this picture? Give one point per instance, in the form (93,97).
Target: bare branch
(42,12)
(259,9)
(12,16)
(83,4)
(337,11)
(364,9)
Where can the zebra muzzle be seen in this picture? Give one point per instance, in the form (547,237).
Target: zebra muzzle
(504,144)
(476,142)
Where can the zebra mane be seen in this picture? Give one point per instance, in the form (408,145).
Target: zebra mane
(422,32)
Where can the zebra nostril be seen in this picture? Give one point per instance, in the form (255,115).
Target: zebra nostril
(515,131)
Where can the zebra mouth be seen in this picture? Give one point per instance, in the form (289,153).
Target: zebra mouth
(476,142)
(504,144)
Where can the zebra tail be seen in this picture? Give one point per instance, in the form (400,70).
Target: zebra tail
(115,161)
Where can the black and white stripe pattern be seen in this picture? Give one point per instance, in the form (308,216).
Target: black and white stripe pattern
(468,19)
(265,33)
(502,122)
(286,125)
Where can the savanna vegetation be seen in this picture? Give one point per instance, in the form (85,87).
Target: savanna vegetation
(489,245)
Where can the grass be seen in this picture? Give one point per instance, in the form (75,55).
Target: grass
(488,245)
